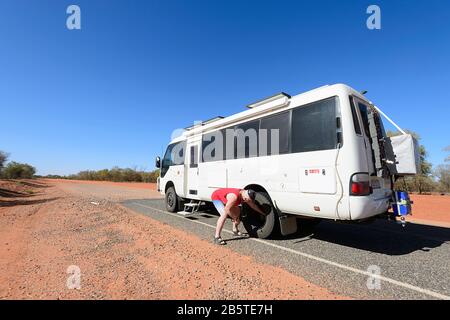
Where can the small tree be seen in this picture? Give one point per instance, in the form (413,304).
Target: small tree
(3,157)
(15,170)
(448,157)
(442,172)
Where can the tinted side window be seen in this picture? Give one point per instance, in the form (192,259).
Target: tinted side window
(314,126)
(229,143)
(364,117)
(174,156)
(355,117)
(246,139)
(278,122)
(193,163)
(212,146)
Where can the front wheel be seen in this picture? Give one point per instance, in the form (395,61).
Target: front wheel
(171,200)
(256,224)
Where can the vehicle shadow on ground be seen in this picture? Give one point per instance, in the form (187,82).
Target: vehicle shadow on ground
(381,236)
(24,202)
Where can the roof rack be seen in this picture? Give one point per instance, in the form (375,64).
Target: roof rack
(202,123)
(269,99)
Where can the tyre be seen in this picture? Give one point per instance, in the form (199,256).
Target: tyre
(172,201)
(255,223)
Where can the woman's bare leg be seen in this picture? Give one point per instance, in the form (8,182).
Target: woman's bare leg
(235,211)
(235,225)
(220,223)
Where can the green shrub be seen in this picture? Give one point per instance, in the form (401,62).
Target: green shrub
(15,170)
(117,174)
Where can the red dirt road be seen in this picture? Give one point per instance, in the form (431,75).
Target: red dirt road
(132,185)
(433,209)
(48,226)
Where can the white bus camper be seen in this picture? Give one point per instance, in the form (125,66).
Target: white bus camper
(322,154)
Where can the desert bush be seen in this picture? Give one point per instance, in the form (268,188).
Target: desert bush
(117,174)
(15,170)
(420,183)
(442,172)
(51,176)
(448,157)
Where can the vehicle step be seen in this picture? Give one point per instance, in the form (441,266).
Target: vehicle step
(188,213)
(191,204)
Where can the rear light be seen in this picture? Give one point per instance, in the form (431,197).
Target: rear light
(360,185)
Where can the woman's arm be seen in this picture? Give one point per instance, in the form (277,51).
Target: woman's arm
(231,200)
(255,207)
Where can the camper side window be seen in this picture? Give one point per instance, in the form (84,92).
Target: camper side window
(314,126)
(213,146)
(246,140)
(278,122)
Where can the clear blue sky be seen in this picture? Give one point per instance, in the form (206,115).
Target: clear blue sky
(112,93)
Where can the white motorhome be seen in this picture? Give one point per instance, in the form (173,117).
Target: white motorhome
(322,154)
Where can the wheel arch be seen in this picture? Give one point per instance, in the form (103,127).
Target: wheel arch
(257,188)
(178,199)
(168,185)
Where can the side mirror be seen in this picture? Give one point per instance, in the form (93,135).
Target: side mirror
(158,162)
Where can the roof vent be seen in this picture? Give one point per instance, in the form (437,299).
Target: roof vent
(280,96)
(203,123)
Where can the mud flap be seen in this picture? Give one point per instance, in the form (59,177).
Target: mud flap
(288,224)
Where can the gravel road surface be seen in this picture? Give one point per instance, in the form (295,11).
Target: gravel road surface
(412,262)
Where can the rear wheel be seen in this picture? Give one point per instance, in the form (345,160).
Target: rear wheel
(255,223)
(172,201)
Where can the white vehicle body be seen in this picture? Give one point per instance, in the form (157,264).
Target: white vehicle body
(316,183)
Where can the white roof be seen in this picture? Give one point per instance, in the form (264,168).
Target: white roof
(272,105)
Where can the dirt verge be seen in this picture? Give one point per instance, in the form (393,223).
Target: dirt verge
(121,254)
